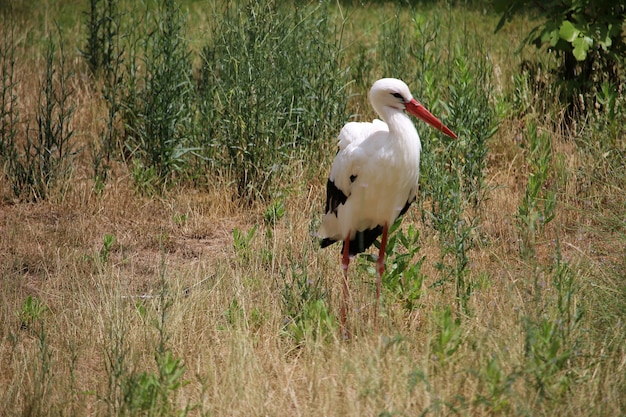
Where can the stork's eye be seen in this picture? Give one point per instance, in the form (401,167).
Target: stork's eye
(398,96)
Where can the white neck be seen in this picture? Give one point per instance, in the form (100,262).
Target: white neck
(399,123)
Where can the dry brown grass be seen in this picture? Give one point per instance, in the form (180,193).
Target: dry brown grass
(246,367)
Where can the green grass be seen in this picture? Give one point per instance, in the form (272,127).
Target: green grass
(152,281)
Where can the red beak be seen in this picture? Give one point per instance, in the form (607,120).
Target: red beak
(418,110)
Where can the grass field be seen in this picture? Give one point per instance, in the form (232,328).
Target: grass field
(156,210)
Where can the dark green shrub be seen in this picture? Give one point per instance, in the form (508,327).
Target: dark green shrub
(586,36)
(103,32)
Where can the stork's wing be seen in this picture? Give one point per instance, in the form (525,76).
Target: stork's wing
(351,156)
(356,132)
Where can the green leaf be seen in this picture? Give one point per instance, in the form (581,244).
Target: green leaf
(581,46)
(605,40)
(554,38)
(568,32)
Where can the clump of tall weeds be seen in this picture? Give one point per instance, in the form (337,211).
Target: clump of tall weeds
(145,63)
(9,115)
(270,90)
(39,158)
(160,109)
(105,52)
(272,87)
(103,25)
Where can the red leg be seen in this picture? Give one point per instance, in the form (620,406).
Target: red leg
(345,261)
(380,263)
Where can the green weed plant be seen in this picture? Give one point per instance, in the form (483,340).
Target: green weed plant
(538,206)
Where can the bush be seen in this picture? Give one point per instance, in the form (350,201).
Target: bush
(586,36)
(272,90)
(160,110)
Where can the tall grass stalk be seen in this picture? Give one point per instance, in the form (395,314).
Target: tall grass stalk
(116,355)
(552,346)
(36,395)
(452,178)
(136,389)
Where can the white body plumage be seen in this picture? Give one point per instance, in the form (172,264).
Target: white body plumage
(377,170)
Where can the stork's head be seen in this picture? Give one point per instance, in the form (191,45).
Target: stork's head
(393,94)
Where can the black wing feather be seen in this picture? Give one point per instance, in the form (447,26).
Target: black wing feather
(334,197)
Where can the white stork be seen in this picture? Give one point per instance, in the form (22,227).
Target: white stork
(373,179)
